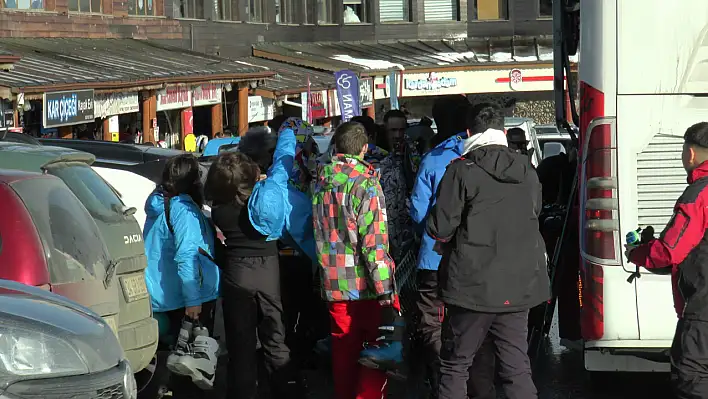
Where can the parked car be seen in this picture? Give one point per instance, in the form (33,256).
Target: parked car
(132,189)
(51,241)
(143,160)
(54,348)
(548,134)
(216,146)
(527,124)
(15,137)
(137,330)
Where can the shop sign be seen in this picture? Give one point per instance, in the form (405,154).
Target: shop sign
(116,104)
(515,79)
(318,104)
(382,87)
(208,94)
(366,93)
(348,94)
(188,121)
(260,109)
(477,82)
(64,108)
(174,97)
(113,128)
(432,83)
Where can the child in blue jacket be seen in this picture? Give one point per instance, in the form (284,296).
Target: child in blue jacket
(181,275)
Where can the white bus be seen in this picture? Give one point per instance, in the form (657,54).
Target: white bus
(643,78)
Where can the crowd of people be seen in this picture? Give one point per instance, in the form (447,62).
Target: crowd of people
(465,200)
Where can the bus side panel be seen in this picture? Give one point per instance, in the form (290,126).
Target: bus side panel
(598,52)
(660,45)
(620,306)
(651,138)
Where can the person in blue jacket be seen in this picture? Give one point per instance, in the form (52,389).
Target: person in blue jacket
(278,209)
(181,276)
(450,115)
(252,209)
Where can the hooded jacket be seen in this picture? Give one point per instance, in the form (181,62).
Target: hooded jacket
(432,168)
(350,229)
(179,274)
(276,208)
(486,214)
(682,249)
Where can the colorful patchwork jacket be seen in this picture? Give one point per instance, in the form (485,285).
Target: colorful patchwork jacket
(349,218)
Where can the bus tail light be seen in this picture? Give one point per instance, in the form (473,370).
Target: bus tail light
(599,217)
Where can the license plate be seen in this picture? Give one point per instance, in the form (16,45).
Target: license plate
(111,321)
(134,287)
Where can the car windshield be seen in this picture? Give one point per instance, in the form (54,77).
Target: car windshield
(101,201)
(566,142)
(71,240)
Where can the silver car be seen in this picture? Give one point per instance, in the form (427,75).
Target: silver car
(52,348)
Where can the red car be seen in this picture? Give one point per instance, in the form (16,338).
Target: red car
(48,239)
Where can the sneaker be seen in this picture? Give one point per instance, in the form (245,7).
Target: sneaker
(386,353)
(385,356)
(323,347)
(200,363)
(181,348)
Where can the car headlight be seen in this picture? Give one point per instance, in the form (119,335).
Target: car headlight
(31,354)
(129,384)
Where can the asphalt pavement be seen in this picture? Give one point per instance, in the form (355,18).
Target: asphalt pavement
(558,374)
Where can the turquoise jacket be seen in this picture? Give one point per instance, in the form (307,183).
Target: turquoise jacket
(179,274)
(276,208)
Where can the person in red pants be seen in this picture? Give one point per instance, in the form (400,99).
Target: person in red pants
(357,271)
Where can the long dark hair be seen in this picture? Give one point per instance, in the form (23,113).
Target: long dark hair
(181,176)
(231,179)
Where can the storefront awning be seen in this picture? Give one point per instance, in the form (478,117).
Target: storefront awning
(51,64)
(371,58)
(289,79)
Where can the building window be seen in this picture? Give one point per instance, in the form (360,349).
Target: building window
(256,10)
(490,10)
(356,11)
(286,11)
(394,10)
(442,10)
(325,11)
(545,8)
(188,9)
(228,10)
(139,7)
(24,4)
(92,6)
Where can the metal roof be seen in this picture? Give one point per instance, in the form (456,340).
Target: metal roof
(112,63)
(290,79)
(388,55)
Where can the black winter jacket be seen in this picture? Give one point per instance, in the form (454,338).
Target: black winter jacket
(486,215)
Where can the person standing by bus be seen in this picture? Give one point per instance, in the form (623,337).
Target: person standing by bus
(450,117)
(682,250)
(493,267)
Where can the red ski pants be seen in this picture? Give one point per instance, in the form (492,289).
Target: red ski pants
(353,323)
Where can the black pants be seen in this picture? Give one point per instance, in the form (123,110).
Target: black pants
(431,309)
(689,360)
(251,304)
(464,332)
